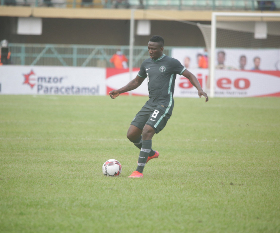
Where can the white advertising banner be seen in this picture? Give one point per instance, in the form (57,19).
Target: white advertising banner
(184,88)
(247,83)
(44,80)
(232,83)
(38,80)
(228,83)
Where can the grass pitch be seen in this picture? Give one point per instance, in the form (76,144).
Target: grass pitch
(218,169)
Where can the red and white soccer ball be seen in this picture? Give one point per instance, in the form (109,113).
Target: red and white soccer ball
(112,167)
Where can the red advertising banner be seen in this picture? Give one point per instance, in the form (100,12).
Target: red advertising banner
(117,78)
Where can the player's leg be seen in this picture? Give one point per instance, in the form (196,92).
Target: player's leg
(134,133)
(156,122)
(148,133)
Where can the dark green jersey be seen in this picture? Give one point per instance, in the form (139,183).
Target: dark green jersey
(161,74)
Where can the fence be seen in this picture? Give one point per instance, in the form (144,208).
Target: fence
(152,4)
(74,55)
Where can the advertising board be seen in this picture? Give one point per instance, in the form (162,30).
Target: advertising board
(44,80)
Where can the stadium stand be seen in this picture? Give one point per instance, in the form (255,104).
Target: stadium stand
(153,4)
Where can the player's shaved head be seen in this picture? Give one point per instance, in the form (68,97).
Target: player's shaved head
(157,39)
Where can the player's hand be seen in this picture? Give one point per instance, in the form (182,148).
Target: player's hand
(200,93)
(114,94)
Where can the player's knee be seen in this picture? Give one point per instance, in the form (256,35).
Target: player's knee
(129,136)
(148,132)
(134,134)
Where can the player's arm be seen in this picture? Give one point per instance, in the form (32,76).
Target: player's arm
(133,84)
(195,83)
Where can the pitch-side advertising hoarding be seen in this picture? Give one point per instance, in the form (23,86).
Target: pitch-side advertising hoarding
(229,83)
(45,80)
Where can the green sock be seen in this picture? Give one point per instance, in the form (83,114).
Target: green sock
(143,156)
(138,144)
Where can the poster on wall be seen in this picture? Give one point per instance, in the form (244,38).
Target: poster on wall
(44,80)
(247,59)
(191,58)
(230,58)
(238,73)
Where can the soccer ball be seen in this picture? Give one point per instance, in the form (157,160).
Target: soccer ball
(112,167)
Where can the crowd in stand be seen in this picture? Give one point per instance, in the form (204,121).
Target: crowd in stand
(83,3)
(261,5)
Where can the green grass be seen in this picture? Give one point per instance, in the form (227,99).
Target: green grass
(218,170)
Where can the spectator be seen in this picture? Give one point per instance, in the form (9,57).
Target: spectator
(5,54)
(10,2)
(265,5)
(122,2)
(198,57)
(257,62)
(203,61)
(119,60)
(141,5)
(48,3)
(242,62)
(86,3)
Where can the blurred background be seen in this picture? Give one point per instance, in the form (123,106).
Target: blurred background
(89,32)
(115,33)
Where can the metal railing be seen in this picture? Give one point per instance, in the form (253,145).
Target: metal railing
(74,55)
(152,4)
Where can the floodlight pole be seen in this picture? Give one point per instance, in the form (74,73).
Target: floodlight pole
(131,42)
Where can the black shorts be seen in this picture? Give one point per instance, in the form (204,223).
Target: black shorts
(156,117)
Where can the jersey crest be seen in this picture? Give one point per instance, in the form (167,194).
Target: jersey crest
(162,68)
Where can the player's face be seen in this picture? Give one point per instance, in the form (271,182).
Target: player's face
(155,50)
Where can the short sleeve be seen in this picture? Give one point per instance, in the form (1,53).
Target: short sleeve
(177,67)
(142,72)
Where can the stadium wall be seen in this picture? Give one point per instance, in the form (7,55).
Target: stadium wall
(104,26)
(100,32)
